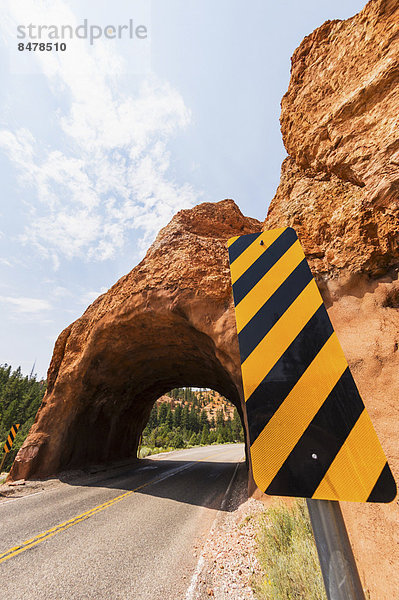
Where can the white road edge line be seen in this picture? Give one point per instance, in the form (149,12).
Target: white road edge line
(201,560)
(22,497)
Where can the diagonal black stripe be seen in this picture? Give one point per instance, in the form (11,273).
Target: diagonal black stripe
(312,456)
(238,247)
(260,267)
(7,446)
(275,387)
(267,316)
(385,487)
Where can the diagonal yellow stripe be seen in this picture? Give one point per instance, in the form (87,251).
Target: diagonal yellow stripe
(357,466)
(13,432)
(276,341)
(253,252)
(272,447)
(270,282)
(232,240)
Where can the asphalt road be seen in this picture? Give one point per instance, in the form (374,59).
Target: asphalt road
(132,534)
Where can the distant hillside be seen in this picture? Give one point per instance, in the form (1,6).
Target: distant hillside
(209,400)
(185,417)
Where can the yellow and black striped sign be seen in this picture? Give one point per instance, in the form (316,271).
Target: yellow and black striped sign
(11,437)
(309,431)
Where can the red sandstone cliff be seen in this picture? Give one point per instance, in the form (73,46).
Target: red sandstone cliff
(339,189)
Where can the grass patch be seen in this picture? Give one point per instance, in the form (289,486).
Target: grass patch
(147,451)
(287,555)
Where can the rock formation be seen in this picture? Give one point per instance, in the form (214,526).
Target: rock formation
(170,322)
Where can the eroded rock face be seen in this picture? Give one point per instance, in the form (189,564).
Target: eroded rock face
(339,115)
(340,185)
(168,323)
(343,234)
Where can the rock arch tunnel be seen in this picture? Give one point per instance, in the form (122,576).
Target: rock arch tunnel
(168,323)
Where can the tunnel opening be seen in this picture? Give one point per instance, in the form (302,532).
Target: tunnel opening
(190,417)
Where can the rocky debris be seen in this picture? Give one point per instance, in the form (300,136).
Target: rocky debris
(17,483)
(230,555)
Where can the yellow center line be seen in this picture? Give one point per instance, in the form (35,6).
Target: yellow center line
(45,535)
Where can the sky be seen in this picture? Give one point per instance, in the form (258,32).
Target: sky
(102,143)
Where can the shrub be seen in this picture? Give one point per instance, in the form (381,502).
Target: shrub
(287,555)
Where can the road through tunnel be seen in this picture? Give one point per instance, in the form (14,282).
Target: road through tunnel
(124,382)
(101,408)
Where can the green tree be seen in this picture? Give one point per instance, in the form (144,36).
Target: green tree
(212,437)
(194,422)
(169,417)
(185,417)
(178,441)
(20,398)
(204,419)
(219,418)
(204,436)
(177,415)
(162,412)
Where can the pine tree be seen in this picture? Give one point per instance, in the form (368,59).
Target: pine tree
(177,415)
(162,412)
(204,419)
(20,398)
(185,417)
(204,436)
(169,417)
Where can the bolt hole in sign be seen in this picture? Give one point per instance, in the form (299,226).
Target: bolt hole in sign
(310,434)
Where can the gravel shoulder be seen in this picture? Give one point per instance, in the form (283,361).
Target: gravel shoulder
(229,563)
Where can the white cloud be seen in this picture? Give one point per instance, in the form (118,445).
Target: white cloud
(106,172)
(26,305)
(89,296)
(5,262)
(61,292)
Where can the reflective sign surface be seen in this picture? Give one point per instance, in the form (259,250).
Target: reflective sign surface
(310,433)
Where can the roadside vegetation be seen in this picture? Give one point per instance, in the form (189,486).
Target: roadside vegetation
(287,555)
(20,398)
(186,418)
